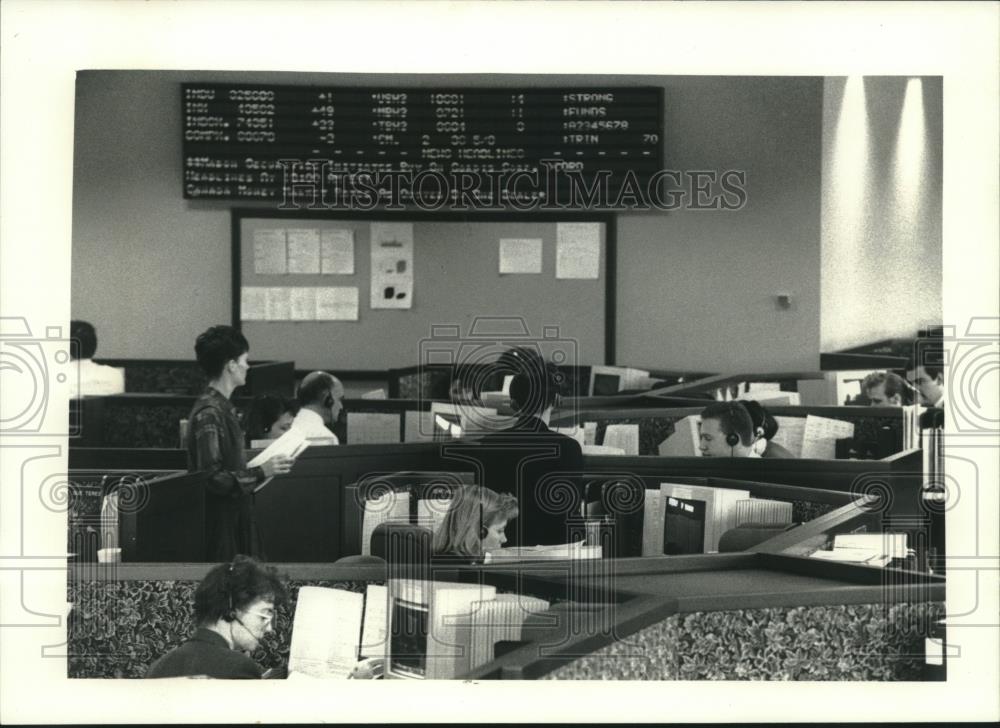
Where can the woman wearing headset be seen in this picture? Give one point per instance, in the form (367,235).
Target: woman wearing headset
(475,522)
(234,607)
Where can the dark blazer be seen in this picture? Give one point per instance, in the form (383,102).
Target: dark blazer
(206,653)
(540,467)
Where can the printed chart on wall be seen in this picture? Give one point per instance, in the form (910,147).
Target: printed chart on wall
(343,291)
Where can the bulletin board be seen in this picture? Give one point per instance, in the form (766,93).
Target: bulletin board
(458,288)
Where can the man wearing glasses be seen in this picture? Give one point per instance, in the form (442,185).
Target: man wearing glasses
(233,609)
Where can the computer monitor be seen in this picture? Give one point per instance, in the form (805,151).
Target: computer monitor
(683,526)
(429,634)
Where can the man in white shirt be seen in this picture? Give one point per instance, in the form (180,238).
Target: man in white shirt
(92,378)
(321,395)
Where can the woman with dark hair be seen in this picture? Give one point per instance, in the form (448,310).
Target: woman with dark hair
(475,522)
(269,417)
(234,608)
(215,447)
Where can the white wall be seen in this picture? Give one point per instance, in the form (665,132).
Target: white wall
(881,232)
(695,288)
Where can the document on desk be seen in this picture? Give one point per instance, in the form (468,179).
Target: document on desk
(624,436)
(291,444)
(552,552)
(326,631)
(819,439)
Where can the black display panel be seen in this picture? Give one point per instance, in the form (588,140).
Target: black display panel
(357,148)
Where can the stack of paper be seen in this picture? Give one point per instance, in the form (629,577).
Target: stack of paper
(334,629)
(624,436)
(871,549)
(819,439)
(554,552)
(326,632)
(685,440)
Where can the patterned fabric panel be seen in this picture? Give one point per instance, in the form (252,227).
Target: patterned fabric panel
(855,642)
(117,629)
(142,426)
(170,379)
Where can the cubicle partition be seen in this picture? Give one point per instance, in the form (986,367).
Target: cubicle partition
(184,376)
(748,616)
(883,426)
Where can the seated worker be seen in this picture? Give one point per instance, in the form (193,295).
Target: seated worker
(320,395)
(728,431)
(234,607)
(215,447)
(90,377)
(539,467)
(886,389)
(927,376)
(475,522)
(269,417)
(767,427)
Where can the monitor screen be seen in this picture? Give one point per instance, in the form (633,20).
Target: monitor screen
(408,639)
(683,526)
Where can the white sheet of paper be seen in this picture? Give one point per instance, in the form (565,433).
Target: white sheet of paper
(270,253)
(279,304)
(326,631)
(253,303)
(337,252)
(337,303)
(303,304)
(289,444)
(520,255)
(888,544)
(625,437)
(392,265)
(367,428)
(376,622)
(303,250)
(578,250)
(819,439)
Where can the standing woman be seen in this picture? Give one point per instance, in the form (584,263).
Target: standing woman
(215,447)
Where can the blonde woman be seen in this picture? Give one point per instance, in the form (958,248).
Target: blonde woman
(475,522)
